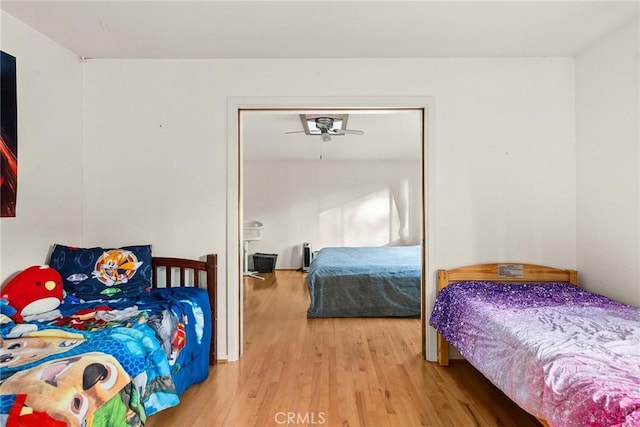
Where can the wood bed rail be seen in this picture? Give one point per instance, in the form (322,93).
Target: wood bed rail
(181,272)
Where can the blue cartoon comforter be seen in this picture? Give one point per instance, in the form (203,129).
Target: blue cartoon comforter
(109,363)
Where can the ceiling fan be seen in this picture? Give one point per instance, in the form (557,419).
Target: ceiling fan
(324,126)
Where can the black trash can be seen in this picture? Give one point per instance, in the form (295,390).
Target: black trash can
(264,263)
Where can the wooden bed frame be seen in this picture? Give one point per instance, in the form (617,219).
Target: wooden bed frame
(180,272)
(500,272)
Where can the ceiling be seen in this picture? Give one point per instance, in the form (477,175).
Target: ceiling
(321,29)
(388,135)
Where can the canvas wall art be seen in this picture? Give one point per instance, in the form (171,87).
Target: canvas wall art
(8,136)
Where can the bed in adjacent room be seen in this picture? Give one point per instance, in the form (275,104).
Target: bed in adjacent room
(567,356)
(380,281)
(109,355)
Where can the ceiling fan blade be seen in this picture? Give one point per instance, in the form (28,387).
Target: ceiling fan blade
(350,132)
(296,131)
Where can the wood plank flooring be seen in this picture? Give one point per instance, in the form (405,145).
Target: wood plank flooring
(335,372)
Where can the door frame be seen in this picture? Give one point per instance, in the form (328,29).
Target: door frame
(234,278)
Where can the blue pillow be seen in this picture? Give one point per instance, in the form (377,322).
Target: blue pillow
(103,273)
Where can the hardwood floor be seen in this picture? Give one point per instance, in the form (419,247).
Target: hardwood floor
(335,372)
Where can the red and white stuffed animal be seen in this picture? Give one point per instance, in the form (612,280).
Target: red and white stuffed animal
(35,290)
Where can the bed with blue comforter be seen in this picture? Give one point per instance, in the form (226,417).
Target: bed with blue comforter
(380,281)
(111,362)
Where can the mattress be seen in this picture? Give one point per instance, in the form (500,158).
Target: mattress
(105,363)
(365,282)
(563,354)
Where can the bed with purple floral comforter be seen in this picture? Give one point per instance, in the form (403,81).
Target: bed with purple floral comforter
(563,354)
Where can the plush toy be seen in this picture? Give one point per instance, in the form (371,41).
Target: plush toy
(35,290)
(7,313)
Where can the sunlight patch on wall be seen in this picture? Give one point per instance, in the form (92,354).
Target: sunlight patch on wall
(371,220)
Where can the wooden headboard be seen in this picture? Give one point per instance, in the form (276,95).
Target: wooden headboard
(506,272)
(499,272)
(177,272)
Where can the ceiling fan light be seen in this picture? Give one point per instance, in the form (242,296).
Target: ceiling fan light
(315,124)
(325,137)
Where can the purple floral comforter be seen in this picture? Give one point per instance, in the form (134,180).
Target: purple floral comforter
(563,354)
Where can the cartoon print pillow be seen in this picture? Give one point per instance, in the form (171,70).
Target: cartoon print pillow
(103,273)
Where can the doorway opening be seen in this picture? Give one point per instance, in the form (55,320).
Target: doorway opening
(397,211)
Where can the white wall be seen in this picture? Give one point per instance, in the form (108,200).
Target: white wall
(155,150)
(49,197)
(608,162)
(151,167)
(290,198)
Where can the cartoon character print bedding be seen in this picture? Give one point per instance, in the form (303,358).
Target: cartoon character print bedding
(104,362)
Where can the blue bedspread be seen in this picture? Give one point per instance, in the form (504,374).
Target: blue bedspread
(108,363)
(365,282)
